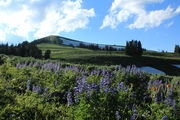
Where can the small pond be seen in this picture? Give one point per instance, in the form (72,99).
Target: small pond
(178,66)
(151,70)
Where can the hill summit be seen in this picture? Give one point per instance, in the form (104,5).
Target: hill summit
(53,39)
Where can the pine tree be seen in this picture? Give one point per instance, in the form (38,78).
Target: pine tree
(134,48)
(177,49)
(140,50)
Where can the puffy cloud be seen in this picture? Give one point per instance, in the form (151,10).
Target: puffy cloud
(123,10)
(69,17)
(5,2)
(42,17)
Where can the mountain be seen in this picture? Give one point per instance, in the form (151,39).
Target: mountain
(70,42)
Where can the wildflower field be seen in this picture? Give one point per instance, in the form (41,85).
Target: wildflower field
(33,89)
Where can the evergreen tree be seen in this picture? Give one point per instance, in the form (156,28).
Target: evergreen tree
(177,49)
(140,50)
(134,48)
(25,50)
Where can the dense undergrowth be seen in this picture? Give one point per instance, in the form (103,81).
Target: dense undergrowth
(33,89)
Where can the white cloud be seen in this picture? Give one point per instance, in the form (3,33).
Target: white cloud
(42,17)
(178,10)
(5,2)
(123,10)
(69,17)
(2,36)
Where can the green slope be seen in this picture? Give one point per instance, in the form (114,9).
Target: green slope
(106,58)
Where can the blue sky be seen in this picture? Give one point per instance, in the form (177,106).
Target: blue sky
(154,22)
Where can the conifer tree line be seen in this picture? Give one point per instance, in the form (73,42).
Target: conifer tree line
(24,49)
(177,49)
(134,48)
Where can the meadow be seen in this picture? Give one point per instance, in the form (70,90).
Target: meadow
(83,84)
(158,60)
(49,90)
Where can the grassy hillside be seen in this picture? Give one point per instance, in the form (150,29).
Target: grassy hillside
(161,61)
(67,52)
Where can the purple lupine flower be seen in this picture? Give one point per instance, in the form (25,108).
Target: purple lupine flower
(106,90)
(93,72)
(157,99)
(95,87)
(30,64)
(104,83)
(134,95)
(103,72)
(82,84)
(171,92)
(169,100)
(35,64)
(36,89)
(76,92)
(113,90)
(118,67)
(46,90)
(128,68)
(126,89)
(134,116)
(121,86)
(118,117)
(28,85)
(174,104)
(55,83)
(69,99)
(18,65)
(162,96)
(134,108)
(135,113)
(165,117)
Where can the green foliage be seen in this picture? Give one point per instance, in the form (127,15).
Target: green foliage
(21,100)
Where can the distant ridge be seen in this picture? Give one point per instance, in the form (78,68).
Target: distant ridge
(53,39)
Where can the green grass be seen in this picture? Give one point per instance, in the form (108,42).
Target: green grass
(161,61)
(67,52)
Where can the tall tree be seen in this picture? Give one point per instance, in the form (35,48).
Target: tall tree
(134,48)
(140,49)
(177,49)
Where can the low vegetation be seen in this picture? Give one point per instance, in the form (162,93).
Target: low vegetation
(34,89)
